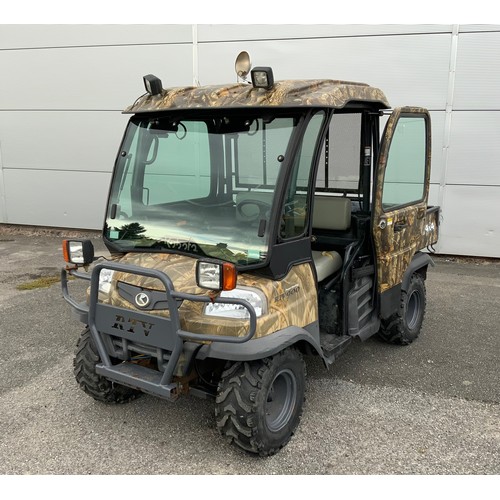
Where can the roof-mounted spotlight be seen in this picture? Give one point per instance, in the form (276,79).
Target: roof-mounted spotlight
(242,66)
(262,77)
(152,84)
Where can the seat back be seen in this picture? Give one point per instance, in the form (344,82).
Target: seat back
(332,212)
(250,212)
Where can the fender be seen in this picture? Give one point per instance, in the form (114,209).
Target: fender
(419,262)
(264,346)
(389,300)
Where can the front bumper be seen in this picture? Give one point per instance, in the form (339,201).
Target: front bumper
(162,337)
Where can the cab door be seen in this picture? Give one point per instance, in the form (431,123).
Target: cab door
(401,189)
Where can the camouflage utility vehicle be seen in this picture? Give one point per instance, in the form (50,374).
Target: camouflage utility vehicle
(249,225)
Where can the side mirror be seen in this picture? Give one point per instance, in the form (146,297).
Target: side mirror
(79,252)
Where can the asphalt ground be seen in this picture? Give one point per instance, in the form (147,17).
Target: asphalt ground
(431,408)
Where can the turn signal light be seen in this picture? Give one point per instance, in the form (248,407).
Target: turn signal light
(229,275)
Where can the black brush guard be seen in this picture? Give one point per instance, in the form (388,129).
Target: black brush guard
(164,335)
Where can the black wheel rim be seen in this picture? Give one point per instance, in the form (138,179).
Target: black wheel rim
(413,310)
(280,401)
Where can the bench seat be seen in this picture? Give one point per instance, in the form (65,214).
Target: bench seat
(326,263)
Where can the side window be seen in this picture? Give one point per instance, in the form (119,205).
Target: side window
(259,150)
(295,208)
(338,169)
(404,179)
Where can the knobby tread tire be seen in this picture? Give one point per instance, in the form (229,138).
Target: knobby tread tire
(96,386)
(395,330)
(240,404)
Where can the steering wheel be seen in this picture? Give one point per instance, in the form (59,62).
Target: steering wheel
(261,205)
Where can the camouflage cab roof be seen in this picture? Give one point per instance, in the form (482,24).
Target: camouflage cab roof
(286,93)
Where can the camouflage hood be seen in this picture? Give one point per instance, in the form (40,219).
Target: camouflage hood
(290,301)
(179,268)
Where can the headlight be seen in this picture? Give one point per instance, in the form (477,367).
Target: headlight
(252,295)
(216,275)
(105,277)
(79,252)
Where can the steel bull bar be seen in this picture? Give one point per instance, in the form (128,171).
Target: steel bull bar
(163,334)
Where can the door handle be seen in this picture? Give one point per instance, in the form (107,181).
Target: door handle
(399,226)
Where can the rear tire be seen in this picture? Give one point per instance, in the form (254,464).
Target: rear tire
(404,326)
(259,403)
(100,388)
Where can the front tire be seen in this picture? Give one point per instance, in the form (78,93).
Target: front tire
(100,388)
(259,403)
(404,326)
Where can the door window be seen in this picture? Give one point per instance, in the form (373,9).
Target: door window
(404,179)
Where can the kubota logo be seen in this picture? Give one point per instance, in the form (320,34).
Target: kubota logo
(131,325)
(142,299)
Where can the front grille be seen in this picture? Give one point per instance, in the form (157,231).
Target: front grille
(156,299)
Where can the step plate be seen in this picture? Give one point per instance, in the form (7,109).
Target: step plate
(139,377)
(334,345)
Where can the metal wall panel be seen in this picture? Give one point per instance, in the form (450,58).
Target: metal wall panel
(61,140)
(233,32)
(99,78)
(3,206)
(471,225)
(15,36)
(63,87)
(474,156)
(412,70)
(438,129)
(433,195)
(477,72)
(55,198)
(467,28)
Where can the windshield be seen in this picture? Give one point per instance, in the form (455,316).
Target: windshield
(203,186)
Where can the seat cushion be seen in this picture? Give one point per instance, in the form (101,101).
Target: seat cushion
(326,263)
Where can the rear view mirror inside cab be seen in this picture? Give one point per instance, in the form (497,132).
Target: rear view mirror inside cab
(164,126)
(237,124)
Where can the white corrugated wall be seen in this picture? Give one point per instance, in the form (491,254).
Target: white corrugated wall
(63,87)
